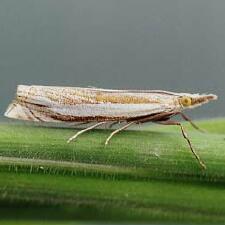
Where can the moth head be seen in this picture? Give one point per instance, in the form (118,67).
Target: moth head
(194,100)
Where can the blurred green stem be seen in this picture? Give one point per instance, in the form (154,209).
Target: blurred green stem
(143,175)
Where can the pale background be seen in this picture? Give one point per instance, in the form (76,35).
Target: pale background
(176,45)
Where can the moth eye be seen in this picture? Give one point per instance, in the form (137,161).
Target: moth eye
(185,101)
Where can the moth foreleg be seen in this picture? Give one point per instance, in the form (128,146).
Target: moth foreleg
(171,122)
(84,130)
(118,130)
(185,117)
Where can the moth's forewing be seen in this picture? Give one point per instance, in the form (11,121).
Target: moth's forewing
(81,104)
(29,112)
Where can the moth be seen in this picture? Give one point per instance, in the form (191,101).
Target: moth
(102,106)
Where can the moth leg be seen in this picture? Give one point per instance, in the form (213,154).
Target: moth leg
(118,130)
(84,130)
(191,122)
(114,123)
(170,122)
(79,123)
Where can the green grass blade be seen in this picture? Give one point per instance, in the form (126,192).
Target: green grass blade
(143,175)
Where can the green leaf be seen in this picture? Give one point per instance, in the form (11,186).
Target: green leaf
(147,174)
